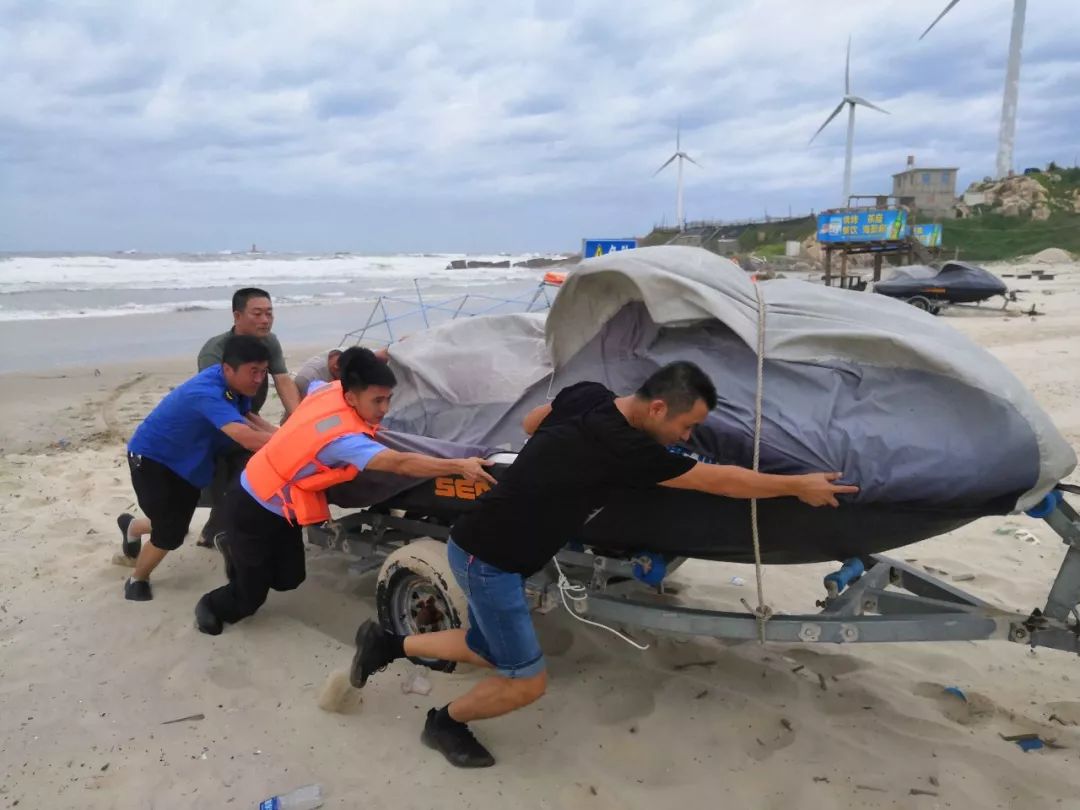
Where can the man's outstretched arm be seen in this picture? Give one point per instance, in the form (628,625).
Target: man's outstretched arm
(815,489)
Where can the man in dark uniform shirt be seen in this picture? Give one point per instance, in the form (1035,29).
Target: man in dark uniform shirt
(585,445)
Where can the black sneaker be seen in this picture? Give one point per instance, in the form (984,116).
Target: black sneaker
(221,541)
(205,618)
(131,548)
(455,741)
(372,653)
(137,590)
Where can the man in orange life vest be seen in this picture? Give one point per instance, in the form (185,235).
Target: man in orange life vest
(327,440)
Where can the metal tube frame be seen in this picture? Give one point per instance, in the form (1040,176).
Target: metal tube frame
(455,307)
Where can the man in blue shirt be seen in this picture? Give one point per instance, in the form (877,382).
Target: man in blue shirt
(171,454)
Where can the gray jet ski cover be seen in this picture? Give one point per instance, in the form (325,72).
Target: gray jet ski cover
(904,405)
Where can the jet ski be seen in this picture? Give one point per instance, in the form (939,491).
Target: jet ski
(933,428)
(929,287)
(680,523)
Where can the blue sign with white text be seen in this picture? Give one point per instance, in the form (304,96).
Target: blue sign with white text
(862,226)
(591,248)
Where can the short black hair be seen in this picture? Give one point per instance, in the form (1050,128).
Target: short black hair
(240,349)
(241,297)
(680,385)
(361,368)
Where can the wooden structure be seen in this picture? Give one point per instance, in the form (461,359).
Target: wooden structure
(908,248)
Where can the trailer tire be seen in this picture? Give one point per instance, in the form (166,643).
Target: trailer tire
(417,593)
(921,303)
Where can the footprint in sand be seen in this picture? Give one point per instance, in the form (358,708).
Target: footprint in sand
(228,677)
(582,796)
(625,699)
(970,710)
(1064,712)
(769,734)
(36,501)
(70,526)
(828,664)
(554,640)
(640,754)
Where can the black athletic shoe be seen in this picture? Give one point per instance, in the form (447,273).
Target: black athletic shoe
(131,548)
(205,618)
(137,590)
(455,741)
(373,653)
(221,540)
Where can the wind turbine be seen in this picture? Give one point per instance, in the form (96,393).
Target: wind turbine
(1007,133)
(852,102)
(679,155)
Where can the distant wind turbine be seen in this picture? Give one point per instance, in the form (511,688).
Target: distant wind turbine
(679,155)
(1007,133)
(852,102)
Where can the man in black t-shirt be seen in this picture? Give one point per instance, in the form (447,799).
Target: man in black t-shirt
(585,445)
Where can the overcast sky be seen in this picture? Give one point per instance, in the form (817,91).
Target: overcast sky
(482,126)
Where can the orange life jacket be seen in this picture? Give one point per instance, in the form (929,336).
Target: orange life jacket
(321,417)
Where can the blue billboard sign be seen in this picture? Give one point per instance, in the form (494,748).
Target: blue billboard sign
(591,248)
(851,226)
(929,235)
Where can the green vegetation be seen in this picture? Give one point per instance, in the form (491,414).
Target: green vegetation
(762,238)
(769,249)
(766,236)
(1061,187)
(658,236)
(993,237)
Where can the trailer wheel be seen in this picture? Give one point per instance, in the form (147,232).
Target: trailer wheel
(920,303)
(417,593)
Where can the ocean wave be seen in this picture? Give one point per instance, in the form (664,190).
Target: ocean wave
(88,273)
(109,311)
(121,310)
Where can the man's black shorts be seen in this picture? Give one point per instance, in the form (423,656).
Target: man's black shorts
(164,497)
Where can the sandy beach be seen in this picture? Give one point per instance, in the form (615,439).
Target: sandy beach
(89,683)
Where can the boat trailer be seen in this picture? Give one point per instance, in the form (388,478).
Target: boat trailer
(867,600)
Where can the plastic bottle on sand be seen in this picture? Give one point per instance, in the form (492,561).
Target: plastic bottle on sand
(307,797)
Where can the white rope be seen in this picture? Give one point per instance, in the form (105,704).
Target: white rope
(762,612)
(577,593)
(551,384)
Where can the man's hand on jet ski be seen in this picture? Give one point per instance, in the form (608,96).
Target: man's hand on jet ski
(815,489)
(472,469)
(818,489)
(417,465)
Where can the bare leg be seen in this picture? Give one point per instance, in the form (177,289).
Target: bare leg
(149,558)
(497,696)
(139,527)
(491,697)
(446,645)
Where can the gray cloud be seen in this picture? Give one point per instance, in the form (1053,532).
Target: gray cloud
(202,125)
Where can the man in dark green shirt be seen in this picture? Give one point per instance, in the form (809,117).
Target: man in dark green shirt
(253,314)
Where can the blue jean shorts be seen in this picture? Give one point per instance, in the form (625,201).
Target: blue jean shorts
(500,624)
